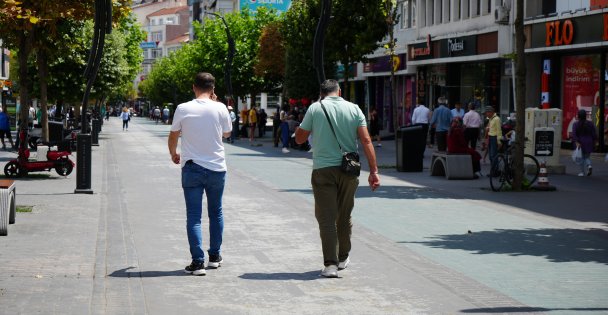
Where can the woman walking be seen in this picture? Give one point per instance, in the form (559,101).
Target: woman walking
(583,134)
(125,118)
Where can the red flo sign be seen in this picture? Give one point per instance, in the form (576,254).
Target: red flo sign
(559,33)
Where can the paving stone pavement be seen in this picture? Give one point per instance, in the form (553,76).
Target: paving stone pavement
(122,249)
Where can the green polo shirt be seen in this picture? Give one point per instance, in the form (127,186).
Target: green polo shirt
(346,118)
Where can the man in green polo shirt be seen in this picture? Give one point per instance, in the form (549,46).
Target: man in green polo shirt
(334,190)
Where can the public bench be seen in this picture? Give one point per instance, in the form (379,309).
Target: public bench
(7,205)
(452,165)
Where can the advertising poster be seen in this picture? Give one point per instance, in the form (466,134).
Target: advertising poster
(253,5)
(581,88)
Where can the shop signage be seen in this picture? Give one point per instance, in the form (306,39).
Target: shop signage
(421,50)
(279,5)
(383,64)
(148,45)
(559,33)
(592,28)
(455,45)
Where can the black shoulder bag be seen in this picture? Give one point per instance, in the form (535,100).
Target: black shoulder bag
(350,160)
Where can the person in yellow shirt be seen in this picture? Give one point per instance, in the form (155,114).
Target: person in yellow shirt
(494,133)
(253,119)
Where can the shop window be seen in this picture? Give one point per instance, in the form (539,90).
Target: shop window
(157,36)
(446,11)
(465,9)
(408,14)
(457,6)
(438,12)
(157,53)
(475,7)
(430,13)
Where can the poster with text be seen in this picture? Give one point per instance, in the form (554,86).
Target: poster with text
(581,79)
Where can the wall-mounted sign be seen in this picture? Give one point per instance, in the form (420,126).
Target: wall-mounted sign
(383,64)
(592,28)
(421,50)
(455,45)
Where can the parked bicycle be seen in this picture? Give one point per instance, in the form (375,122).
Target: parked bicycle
(502,171)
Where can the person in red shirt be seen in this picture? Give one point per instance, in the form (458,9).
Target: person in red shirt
(458,144)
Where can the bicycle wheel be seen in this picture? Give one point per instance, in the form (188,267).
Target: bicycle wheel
(498,173)
(531,170)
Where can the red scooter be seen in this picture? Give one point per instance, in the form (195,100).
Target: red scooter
(58,160)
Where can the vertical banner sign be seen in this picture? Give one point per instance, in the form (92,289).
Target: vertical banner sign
(544,96)
(580,89)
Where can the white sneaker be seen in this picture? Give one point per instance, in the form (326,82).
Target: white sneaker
(581,174)
(344,264)
(285,150)
(330,271)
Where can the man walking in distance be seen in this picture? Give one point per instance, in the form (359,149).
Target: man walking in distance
(472,122)
(334,191)
(442,117)
(202,123)
(420,117)
(494,133)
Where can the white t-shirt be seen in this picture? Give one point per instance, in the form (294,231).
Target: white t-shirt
(202,123)
(420,115)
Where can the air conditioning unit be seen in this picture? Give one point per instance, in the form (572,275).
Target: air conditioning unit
(501,15)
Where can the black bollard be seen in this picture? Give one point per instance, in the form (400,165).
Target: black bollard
(95,132)
(83,164)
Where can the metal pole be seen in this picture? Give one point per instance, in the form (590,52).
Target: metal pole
(228,69)
(103,26)
(319,41)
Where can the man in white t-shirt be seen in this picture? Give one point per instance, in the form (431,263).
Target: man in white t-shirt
(420,117)
(202,123)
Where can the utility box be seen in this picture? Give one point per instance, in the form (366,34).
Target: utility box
(543,134)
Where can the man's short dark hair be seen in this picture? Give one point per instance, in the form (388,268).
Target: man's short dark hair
(204,81)
(329,86)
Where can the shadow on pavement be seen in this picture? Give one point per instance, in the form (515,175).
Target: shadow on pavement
(306,276)
(124,273)
(528,309)
(556,245)
(400,192)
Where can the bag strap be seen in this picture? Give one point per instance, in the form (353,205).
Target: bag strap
(330,125)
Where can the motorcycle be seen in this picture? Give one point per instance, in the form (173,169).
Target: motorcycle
(55,159)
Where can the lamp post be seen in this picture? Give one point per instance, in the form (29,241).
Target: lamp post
(103,26)
(228,69)
(319,41)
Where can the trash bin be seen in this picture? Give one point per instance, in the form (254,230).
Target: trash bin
(96,124)
(410,149)
(55,131)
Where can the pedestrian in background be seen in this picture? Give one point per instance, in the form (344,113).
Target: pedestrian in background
(458,145)
(166,114)
(442,118)
(284,115)
(232,119)
(374,127)
(457,111)
(420,117)
(276,123)
(125,116)
(262,118)
(202,123)
(5,128)
(253,120)
(334,190)
(494,133)
(472,122)
(583,134)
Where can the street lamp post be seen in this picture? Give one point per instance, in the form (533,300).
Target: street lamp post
(319,41)
(228,70)
(103,26)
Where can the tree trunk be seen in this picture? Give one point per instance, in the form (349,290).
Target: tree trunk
(520,90)
(24,82)
(43,72)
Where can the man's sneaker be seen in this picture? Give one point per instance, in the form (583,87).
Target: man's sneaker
(196,268)
(285,150)
(344,264)
(330,271)
(215,261)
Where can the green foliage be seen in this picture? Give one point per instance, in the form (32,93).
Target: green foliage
(171,77)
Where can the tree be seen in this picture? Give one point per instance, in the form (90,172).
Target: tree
(298,29)
(31,24)
(270,60)
(520,90)
(366,20)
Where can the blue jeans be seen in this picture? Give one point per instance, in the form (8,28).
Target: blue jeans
(197,180)
(492,148)
(285,134)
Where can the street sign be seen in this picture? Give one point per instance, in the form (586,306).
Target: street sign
(148,45)
(543,142)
